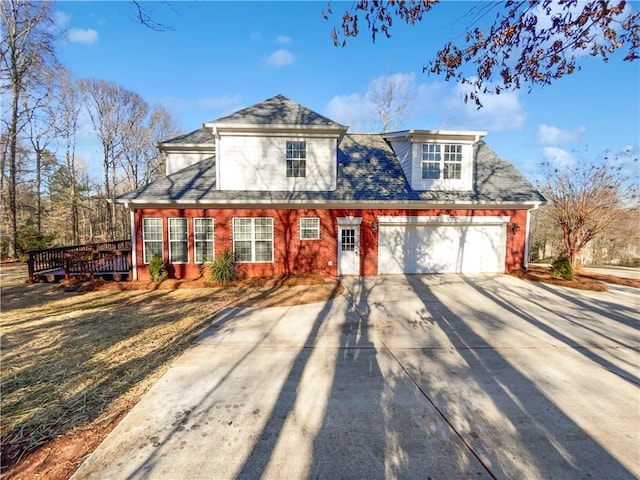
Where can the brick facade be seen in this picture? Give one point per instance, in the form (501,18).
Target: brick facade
(293,255)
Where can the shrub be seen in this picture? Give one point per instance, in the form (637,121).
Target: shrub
(224,268)
(561,268)
(157,269)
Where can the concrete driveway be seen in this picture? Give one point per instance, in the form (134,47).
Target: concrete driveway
(440,377)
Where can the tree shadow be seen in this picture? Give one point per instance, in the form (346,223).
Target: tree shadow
(507,420)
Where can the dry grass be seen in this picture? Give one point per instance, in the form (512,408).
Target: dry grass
(582,280)
(73,362)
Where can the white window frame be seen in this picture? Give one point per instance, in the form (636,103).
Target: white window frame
(445,156)
(253,238)
(197,241)
(316,228)
(184,240)
(294,146)
(146,260)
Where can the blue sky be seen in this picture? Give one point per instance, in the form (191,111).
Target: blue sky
(222,56)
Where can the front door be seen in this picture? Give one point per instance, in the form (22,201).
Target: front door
(349,250)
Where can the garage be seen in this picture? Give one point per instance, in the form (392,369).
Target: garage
(442,244)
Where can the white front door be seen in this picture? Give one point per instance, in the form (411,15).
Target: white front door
(349,250)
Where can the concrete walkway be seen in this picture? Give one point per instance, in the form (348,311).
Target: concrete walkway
(441,376)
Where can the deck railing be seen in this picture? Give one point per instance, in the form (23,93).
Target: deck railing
(89,259)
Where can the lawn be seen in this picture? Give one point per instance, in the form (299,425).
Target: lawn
(74,362)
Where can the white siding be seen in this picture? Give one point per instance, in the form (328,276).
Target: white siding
(258,163)
(175,161)
(403,152)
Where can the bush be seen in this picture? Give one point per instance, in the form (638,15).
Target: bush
(561,268)
(224,268)
(157,269)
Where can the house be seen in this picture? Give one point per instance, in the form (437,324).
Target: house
(290,191)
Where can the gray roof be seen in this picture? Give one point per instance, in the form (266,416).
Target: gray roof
(368,172)
(201,136)
(278,110)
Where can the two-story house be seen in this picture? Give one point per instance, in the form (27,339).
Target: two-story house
(290,191)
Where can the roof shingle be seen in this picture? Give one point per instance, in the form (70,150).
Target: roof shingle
(368,172)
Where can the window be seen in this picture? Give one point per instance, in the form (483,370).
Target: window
(203,240)
(441,161)
(178,241)
(348,240)
(296,158)
(253,239)
(310,228)
(430,161)
(151,238)
(452,162)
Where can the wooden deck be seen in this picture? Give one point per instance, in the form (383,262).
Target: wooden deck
(107,259)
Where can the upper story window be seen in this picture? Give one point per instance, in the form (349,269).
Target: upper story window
(441,161)
(296,158)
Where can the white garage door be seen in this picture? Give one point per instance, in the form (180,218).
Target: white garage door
(441,248)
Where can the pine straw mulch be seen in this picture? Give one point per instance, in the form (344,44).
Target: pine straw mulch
(77,356)
(582,280)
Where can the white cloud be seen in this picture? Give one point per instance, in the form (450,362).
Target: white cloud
(433,105)
(280,58)
(87,36)
(283,40)
(351,110)
(557,157)
(255,36)
(61,19)
(499,113)
(550,135)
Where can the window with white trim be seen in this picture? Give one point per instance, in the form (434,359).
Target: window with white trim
(309,228)
(253,239)
(441,161)
(296,153)
(178,240)
(151,238)
(203,250)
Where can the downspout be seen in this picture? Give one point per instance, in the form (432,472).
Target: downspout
(525,263)
(134,244)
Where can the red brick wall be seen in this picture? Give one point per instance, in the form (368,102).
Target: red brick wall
(292,255)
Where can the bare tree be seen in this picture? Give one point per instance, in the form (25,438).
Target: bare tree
(68,115)
(390,96)
(27,47)
(529,42)
(39,108)
(585,200)
(113,111)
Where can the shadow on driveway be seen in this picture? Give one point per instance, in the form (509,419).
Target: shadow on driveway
(440,376)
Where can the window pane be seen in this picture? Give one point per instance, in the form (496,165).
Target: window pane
(203,239)
(178,240)
(296,154)
(151,238)
(348,238)
(309,228)
(430,171)
(242,228)
(151,249)
(242,251)
(263,251)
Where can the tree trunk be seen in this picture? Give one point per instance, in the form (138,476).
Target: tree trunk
(13,139)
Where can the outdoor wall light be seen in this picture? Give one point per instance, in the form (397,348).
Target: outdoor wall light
(374,227)
(515,228)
